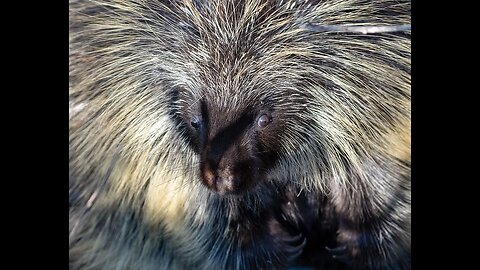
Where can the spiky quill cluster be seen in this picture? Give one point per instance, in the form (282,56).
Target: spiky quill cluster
(137,68)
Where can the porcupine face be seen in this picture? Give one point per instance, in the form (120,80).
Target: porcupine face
(238,124)
(258,95)
(236,144)
(236,104)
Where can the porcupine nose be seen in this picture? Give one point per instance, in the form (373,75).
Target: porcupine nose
(225,180)
(221,180)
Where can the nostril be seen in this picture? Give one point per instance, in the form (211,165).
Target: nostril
(222,177)
(209,177)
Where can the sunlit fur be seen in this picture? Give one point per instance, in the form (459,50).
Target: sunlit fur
(343,101)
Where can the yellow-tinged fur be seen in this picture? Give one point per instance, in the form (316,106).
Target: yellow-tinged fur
(136,198)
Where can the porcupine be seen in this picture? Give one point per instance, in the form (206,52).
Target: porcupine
(236,135)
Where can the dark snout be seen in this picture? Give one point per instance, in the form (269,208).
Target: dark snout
(231,172)
(229,162)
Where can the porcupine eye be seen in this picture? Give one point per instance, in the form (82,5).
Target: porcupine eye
(196,122)
(263,121)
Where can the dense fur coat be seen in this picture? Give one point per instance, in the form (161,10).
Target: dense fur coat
(233,135)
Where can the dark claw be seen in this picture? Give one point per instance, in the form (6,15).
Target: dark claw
(292,258)
(291,240)
(304,243)
(296,251)
(337,251)
(294,238)
(339,254)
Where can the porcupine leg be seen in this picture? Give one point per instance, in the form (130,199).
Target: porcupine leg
(366,244)
(266,243)
(357,247)
(352,245)
(287,244)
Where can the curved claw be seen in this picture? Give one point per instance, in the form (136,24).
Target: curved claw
(295,251)
(339,254)
(293,239)
(337,250)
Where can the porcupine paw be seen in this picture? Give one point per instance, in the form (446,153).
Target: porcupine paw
(292,247)
(272,251)
(341,254)
(287,246)
(352,249)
